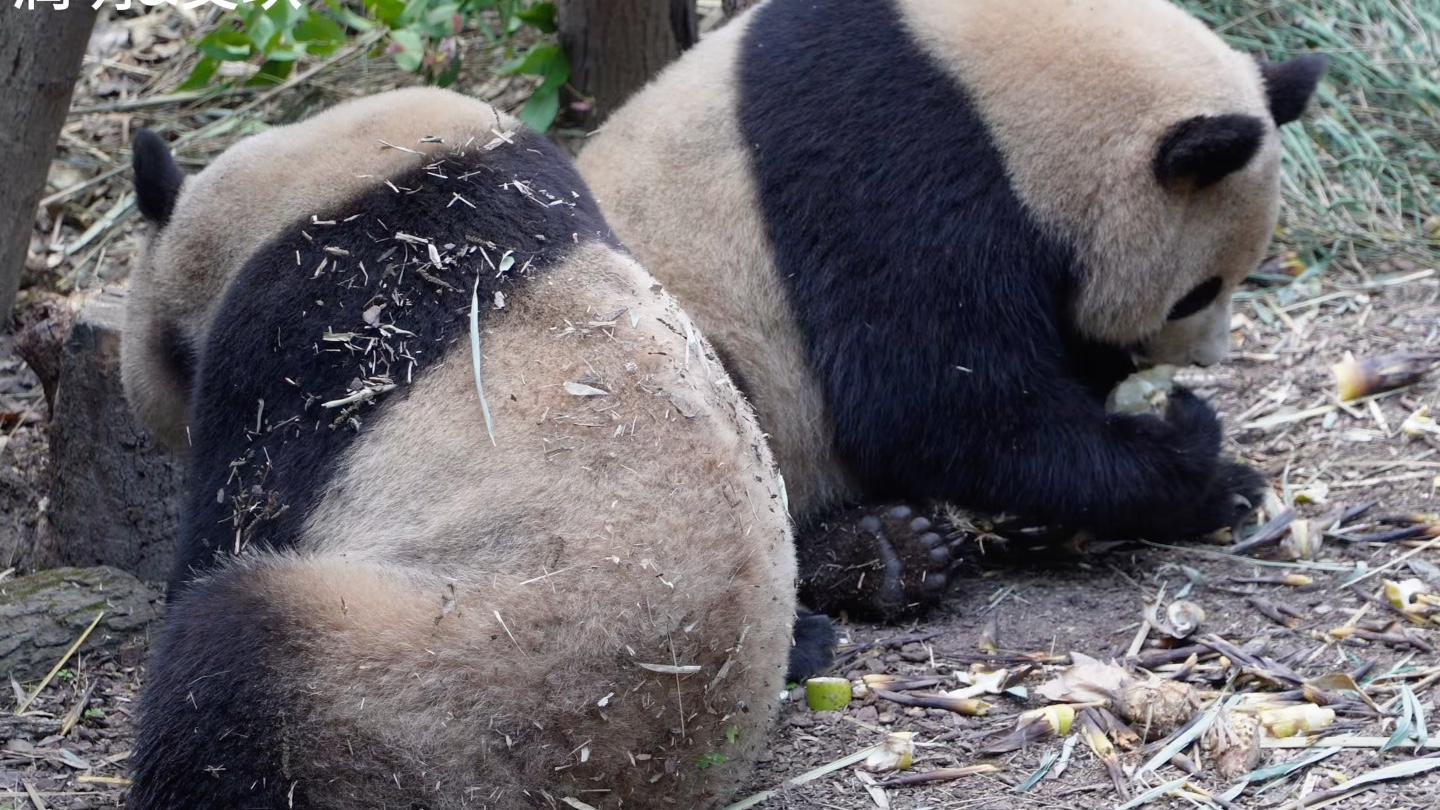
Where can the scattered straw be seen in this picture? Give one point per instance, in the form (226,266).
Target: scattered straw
(808,776)
(34,795)
(475,359)
(1426,546)
(44,682)
(1399,770)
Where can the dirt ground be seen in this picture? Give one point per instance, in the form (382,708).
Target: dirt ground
(1008,609)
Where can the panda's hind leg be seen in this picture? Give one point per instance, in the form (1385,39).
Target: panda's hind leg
(813,649)
(886,563)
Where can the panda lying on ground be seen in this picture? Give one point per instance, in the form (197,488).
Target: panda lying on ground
(392,592)
(928,236)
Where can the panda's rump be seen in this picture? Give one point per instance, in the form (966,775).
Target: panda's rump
(533,604)
(333,683)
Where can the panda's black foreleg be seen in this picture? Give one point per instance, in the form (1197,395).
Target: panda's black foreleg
(883,562)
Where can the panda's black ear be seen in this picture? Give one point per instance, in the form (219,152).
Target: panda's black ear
(1290,84)
(157,177)
(1203,150)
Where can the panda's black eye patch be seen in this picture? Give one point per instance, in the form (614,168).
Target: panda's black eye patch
(1197,299)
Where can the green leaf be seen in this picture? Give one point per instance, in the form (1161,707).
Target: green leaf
(408,48)
(249,14)
(539,15)
(710,759)
(284,15)
(386,11)
(226,45)
(348,18)
(415,11)
(263,31)
(273,72)
(440,19)
(201,75)
(547,60)
(541,108)
(319,28)
(284,53)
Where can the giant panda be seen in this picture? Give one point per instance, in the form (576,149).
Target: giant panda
(412,576)
(927,236)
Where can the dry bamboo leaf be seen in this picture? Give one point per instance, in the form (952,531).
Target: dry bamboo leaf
(583,390)
(1086,681)
(1399,770)
(1094,736)
(898,683)
(475,357)
(1303,542)
(970,707)
(670,669)
(939,775)
(982,683)
(808,776)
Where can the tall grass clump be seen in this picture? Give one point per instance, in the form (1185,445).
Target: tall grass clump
(1362,170)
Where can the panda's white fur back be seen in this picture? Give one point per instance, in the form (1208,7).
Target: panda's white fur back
(593,602)
(647,165)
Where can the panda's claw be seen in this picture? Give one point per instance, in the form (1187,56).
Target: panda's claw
(878,562)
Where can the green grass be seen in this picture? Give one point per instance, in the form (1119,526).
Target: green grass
(1362,169)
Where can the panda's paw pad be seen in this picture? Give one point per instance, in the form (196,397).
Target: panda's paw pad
(888,562)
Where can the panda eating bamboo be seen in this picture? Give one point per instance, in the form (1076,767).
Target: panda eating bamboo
(928,236)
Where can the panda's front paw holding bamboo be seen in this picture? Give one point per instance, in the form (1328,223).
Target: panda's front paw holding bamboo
(1234,489)
(883,562)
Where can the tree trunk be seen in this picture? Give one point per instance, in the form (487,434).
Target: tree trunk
(615,46)
(40,51)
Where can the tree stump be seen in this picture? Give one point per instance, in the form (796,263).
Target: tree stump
(42,614)
(114,497)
